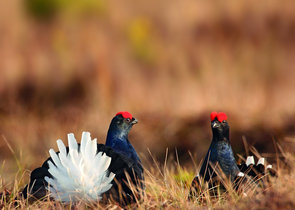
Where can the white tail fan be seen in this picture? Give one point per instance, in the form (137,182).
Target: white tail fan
(80,174)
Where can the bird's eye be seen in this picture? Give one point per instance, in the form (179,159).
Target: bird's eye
(128,120)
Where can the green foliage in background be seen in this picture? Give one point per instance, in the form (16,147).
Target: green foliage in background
(42,9)
(140,38)
(49,9)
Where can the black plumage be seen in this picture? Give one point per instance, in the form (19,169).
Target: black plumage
(123,166)
(220,161)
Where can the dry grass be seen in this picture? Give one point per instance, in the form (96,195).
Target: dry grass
(169,64)
(167,186)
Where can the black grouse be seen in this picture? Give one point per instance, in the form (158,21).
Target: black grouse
(91,171)
(220,161)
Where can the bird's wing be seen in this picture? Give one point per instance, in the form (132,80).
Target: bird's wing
(129,181)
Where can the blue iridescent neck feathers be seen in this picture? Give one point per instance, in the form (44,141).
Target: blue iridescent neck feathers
(117,137)
(220,152)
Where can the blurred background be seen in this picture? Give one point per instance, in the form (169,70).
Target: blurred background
(70,66)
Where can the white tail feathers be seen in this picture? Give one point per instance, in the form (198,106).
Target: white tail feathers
(80,174)
(241,174)
(261,161)
(250,160)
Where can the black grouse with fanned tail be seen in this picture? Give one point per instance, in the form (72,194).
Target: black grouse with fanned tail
(91,171)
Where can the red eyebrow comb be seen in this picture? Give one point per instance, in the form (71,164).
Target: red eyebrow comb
(125,115)
(220,116)
(213,115)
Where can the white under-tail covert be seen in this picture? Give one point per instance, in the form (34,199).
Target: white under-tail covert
(80,174)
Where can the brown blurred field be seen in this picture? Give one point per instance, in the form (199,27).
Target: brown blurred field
(71,66)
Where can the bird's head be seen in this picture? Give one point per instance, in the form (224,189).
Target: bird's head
(219,125)
(123,122)
(117,137)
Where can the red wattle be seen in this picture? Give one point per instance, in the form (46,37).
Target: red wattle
(221,116)
(213,115)
(125,115)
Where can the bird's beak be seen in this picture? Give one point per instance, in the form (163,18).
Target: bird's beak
(215,125)
(134,121)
